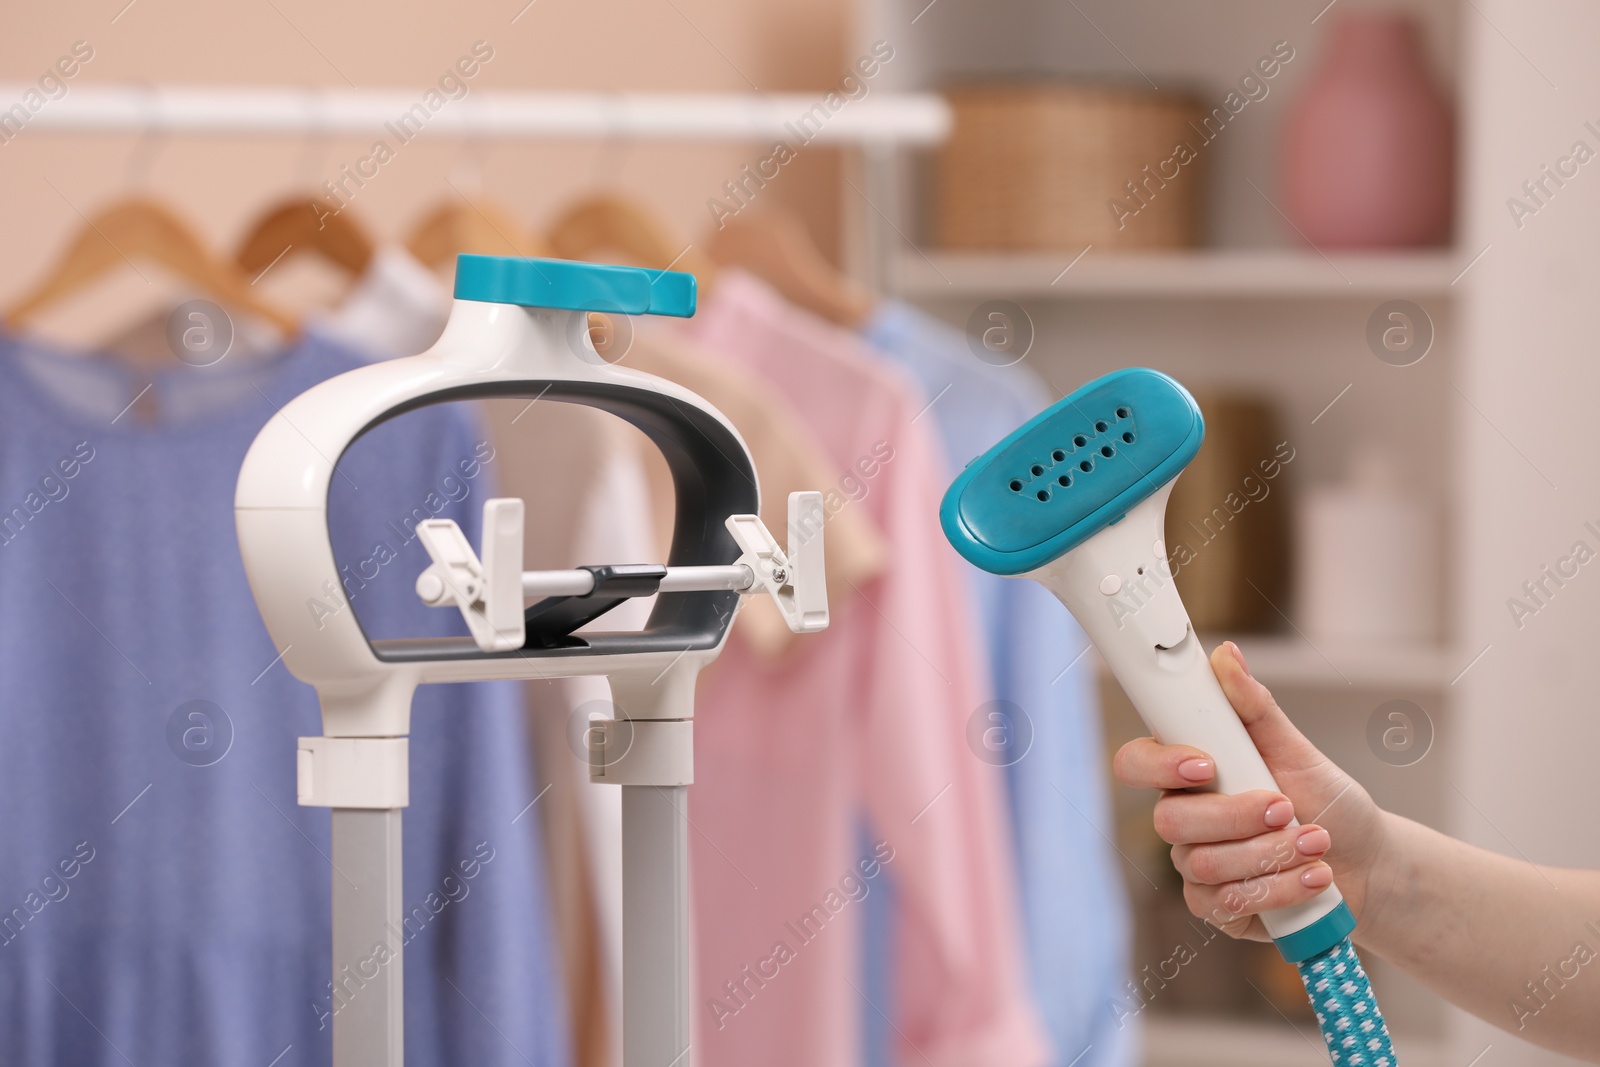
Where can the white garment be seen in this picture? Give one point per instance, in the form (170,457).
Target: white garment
(396,308)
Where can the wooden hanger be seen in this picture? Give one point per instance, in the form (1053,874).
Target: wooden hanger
(473,227)
(775,247)
(609,224)
(297,226)
(143,229)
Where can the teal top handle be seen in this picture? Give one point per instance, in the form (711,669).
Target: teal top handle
(574,286)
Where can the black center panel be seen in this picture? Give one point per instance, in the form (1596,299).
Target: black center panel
(712,479)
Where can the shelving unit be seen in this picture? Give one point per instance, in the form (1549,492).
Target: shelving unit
(1294,661)
(1291,661)
(1256,310)
(1204,1043)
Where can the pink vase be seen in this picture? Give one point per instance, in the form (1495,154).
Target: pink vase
(1369,149)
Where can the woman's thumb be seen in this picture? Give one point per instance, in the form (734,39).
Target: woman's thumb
(1279,741)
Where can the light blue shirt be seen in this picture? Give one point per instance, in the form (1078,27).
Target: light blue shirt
(163,899)
(1074,908)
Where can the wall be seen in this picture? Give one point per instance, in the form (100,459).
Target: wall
(1523,769)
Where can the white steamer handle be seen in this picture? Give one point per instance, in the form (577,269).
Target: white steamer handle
(1119,587)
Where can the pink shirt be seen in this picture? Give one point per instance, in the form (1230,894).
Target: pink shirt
(870,718)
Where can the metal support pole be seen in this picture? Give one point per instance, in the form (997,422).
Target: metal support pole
(368,982)
(655,926)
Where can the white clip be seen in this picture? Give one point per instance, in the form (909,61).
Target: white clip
(796,581)
(489,593)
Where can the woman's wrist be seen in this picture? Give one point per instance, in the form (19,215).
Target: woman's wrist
(1390,883)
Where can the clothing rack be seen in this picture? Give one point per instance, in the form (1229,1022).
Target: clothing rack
(881,127)
(881,119)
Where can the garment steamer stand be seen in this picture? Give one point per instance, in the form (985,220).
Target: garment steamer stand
(518,328)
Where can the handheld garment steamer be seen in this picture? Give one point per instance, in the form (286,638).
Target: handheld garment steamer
(518,328)
(1076,500)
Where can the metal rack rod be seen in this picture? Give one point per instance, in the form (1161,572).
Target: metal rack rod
(678,580)
(879,119)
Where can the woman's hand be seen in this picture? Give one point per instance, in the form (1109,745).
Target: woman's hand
(1468,923)
(1238,854)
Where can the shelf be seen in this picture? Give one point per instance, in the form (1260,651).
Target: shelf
(1234,274)
(1293,661)
(1173,1042)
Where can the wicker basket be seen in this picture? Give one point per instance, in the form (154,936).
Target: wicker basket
(1047,166)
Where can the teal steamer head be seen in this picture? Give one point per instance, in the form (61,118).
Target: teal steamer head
(1076,500)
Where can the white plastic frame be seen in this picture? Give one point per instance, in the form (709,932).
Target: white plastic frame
(281,515)
(282,498)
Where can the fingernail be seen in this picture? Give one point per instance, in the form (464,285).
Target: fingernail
(1196,770)
(1313,842)
(1318,877)
(1239,656)
(1280,813)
